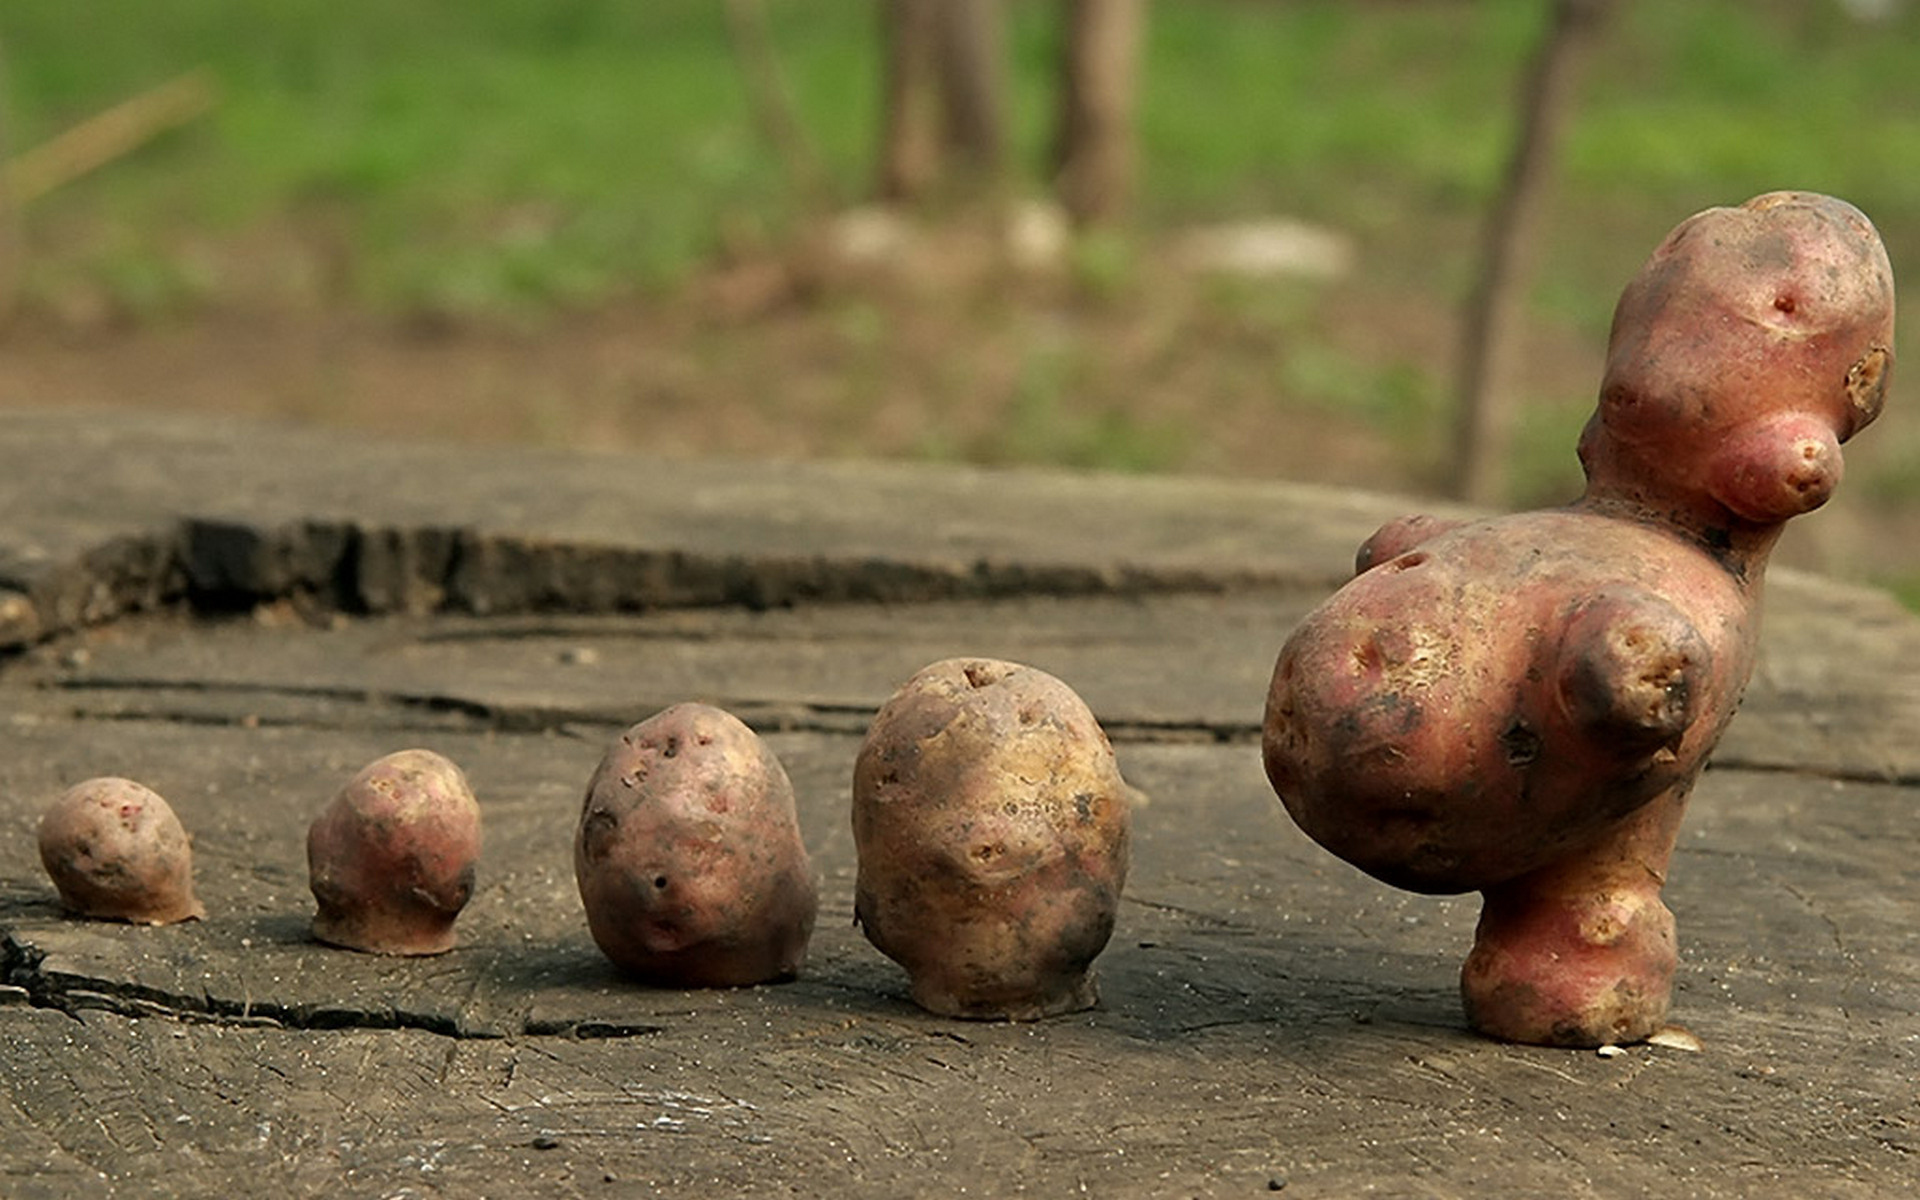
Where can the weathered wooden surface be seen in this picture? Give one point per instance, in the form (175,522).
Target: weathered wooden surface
(1269,1015)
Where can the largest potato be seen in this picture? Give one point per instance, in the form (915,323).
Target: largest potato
(1520,706)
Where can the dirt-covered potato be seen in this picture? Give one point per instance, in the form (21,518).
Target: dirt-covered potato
(391,860)
(115,850)
(991,825)
(689,857)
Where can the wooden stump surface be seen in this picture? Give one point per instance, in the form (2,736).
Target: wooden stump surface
(241,617)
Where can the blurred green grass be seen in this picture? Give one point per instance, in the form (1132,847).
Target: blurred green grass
(500,159)
(495,153)
(474,157)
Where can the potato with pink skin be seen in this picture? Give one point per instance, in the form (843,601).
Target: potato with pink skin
(992,829)
(116,851)
(1520,706)
(391,861)
(689,858)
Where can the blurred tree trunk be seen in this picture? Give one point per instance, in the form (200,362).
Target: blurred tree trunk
(908,151)
(1093,155)
(973,84)
(1484,428)
(944,98)
(772,103)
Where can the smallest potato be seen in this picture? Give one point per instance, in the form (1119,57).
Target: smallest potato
(116,851)
(392,859)
(991,825)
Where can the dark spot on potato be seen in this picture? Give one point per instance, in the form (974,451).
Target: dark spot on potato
(1366,656)
(1721,546)
(1083,807)
(1396,712)
(462,888)
(979,675)
(660,883)
(1677,694)
(1520,742)
(672,748)
(1784,302)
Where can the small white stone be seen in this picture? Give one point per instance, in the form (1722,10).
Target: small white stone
(1673,1037)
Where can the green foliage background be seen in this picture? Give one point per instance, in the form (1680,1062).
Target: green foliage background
(423,128)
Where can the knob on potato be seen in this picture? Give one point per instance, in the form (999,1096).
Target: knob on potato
(991,825)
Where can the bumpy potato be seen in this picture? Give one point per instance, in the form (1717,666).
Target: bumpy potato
(689,858)
(1520,705)
(115,850)
(991,825)
(391,860)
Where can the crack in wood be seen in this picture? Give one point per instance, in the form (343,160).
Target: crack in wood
(763,716)
(23,967)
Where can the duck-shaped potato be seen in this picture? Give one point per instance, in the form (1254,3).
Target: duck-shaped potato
(1520,706)
(991,825)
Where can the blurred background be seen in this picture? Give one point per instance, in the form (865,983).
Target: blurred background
(1363,242)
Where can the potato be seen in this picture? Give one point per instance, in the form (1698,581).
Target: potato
(115,850)
(991,825)
(689,858)
(1521,705)
(392,859)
